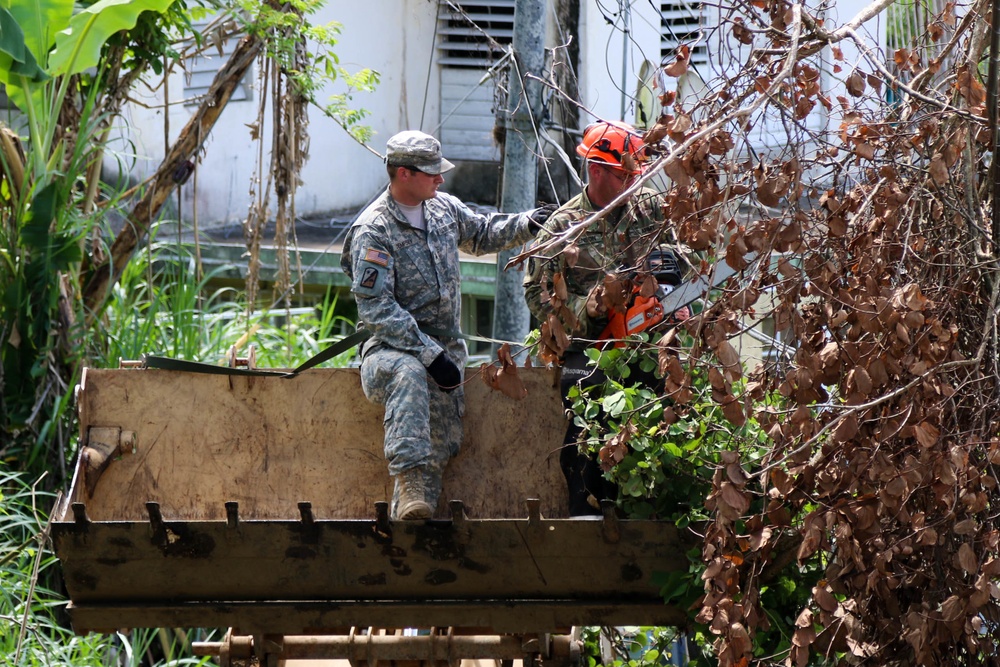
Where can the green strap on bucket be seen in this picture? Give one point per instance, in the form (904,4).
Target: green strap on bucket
(342,345)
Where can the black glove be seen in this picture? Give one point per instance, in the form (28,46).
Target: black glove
(541,214)
(445,372)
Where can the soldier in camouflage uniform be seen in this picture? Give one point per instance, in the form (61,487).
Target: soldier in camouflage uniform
(402,258)
(621,240)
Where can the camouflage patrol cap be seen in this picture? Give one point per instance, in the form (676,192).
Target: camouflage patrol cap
(418,150)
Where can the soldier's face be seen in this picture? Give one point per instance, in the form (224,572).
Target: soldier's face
(620,178)
(606,183)
(413,186)
(424,186)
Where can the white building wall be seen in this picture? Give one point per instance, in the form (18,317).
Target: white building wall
(610,59)
(396,38)
(390,36)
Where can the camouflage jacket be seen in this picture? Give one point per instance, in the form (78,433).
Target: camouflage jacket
(618,241)
(404,278)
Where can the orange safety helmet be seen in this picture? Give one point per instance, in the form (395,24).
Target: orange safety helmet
(608,142)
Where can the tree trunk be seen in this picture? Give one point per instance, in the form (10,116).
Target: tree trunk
(172,172)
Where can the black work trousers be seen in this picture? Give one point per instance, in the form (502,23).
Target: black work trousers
(586,483)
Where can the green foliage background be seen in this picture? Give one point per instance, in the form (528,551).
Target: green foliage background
(667,474)
(68,68)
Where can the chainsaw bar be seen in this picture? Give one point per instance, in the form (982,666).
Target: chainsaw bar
(691,290)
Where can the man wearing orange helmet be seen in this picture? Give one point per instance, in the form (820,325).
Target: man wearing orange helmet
(622,239)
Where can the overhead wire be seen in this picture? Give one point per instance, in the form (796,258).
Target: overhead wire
(516,70)
(564,41)
(430,64)
(607,47)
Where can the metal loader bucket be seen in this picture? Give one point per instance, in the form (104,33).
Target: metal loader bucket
(261,503)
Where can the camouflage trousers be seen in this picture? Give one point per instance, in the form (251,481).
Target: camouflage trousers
(423,425)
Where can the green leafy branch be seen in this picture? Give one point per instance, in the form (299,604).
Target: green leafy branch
(288,31)
(666,458)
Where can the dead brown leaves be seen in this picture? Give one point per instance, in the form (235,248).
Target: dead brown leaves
(680,63)
(614,450)
(725,553)
(885,430)
(882,420)
(615,293)
(555,340)
(970,88)
(504,378)
(669,126)
(889,465)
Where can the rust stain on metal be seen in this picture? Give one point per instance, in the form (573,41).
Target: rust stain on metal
(469,564)
(400,567)
(300,552)
(392,551)
(372,579)
(439,543)
(179,541)
(85,581)
(112,562)
(438,577)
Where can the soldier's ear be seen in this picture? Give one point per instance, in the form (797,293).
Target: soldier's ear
(593,171)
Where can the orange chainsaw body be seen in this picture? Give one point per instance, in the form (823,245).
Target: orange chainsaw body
(645,312)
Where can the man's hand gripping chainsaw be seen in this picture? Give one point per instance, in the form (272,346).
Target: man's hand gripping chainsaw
(644,312)
(681,293)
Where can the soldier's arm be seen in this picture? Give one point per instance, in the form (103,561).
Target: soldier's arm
(481,234)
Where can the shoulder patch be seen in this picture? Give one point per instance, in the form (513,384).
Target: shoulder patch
(369,279)
(379,257)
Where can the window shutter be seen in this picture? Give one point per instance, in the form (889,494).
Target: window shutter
(469,42)
(201,70)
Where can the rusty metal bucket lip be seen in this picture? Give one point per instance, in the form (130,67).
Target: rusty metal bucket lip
(312,617)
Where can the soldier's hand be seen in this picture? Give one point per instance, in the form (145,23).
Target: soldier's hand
(445,372)
(541,214)
(595,302)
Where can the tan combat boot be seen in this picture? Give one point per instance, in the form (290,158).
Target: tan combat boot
(411,496)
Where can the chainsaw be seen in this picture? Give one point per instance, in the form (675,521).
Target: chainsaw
(645,312)
(673,293)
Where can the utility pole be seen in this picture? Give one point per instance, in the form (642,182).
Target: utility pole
(626,37)
(511,320)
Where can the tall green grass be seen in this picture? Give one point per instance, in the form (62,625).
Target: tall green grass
(33,625)
(159,306)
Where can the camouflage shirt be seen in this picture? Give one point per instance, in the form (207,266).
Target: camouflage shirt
(405,278)
(620,240)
